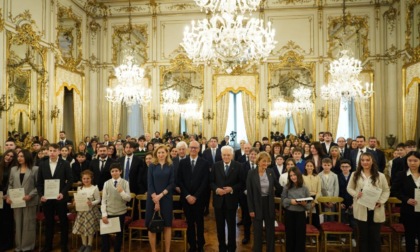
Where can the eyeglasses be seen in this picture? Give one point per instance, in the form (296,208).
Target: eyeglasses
(194,148)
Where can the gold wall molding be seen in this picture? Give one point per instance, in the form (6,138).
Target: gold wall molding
(140,43)
(413,50)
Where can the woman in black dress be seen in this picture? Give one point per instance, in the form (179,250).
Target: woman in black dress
(8,160)
(403,188)
(160,180)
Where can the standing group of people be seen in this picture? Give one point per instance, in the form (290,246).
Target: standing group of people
(247,177)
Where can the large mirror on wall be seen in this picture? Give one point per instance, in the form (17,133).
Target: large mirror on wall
(69,37)
(26,78)
(181,85)
(129,38)
(413,29)
(291,93)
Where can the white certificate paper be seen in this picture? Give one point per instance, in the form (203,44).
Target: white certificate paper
(51,188)
(16,196)
(370,196)
(1,200)
(113,226)
(417,198)
(80,199)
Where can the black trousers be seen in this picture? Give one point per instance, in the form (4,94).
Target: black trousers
(51,208)
(105,241)
(295,223)
(269,228)
(369,234)
(246,219)
(225,215)
(195,220)
(7,234)
(412,231)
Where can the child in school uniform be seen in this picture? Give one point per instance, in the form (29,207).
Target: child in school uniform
(115,195)
(87,222)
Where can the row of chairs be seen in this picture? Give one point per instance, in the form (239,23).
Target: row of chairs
(392,229)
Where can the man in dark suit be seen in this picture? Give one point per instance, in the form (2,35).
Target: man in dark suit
(225,141)
(342,146)
(63,141)
(241,151)
(212,155)
(226,182)
(181,147)
(328,143)
(193,175)
(245,157)
(361,148)
(157,138)
(400,164)
(203,146)
(55,168)
(381,161)
(100,167)
(135,170)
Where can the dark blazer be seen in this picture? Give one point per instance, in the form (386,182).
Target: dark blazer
(201,149)
(403,188)
(62,172)
(398,164)
(353,157)
(346,154)
(65,143)
(380,159)
(77,168)
(342,183)
(238,155)
(100,176)
(208,156)
(138,174)
(324,147)
(175,163)
(218,179)
(253,187)
(157,140)
(193,182)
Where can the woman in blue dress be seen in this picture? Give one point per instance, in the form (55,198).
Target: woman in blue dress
(159,193)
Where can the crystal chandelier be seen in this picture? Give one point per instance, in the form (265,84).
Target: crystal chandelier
(170,103)
(282,108)
(345,70)
(190,110)
(302,102)
(130,90)
(228,40)
(230,6)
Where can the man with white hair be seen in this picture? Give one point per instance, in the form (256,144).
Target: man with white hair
(182,154)
(241,151)
(226,183)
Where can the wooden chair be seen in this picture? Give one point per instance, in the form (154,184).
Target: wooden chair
(280,229)
(71,217)
(179,224)
(139,224)
(334,227)
(312,233)
(394,215)
(129,216)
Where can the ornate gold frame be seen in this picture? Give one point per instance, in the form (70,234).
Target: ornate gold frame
(404,94)
(414,52)
(70,62)
(119,32)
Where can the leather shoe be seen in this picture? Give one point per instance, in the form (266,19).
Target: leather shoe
(245,241)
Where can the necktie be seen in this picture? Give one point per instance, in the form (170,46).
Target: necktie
(127,169)
(115,183)
(226,169)
(342,152)
(102,165)
(213,153)
(247,158)
(192,165)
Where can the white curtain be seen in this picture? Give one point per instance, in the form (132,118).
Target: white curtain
(222,115)
(333,116)
(297,121)
(60,105)
(363,116)
(248,107)
(282,123)
(115,113)
(145,117)
(78,117)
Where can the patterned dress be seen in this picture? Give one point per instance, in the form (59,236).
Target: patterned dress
(87,222)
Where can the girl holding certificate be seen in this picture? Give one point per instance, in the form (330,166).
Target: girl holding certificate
(368,220)
(8,160)
(24,176)
(87,222)
(405,187)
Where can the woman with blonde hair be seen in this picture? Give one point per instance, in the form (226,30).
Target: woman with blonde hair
(161,182)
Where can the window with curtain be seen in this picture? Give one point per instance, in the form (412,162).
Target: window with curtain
(135,122)
(236,118)
(289,128)
(347,122)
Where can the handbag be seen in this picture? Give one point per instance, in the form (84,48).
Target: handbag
(157,223)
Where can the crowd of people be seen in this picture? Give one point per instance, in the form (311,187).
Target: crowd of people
(195,168)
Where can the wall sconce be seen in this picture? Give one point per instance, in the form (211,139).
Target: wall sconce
(263,115)
(323,113)
(209,116)
(275,123)
(55,112)
(155,116)
(195,124)
(33,116)
(3,104)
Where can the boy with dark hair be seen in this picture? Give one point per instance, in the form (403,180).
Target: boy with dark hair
(78,166)
(115,195)
(297,156)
